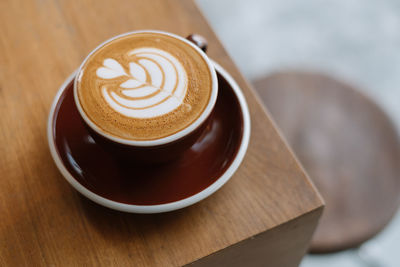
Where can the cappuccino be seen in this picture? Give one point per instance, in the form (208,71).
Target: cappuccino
(144,86)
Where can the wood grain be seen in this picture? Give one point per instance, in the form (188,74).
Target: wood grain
(348,146)
(45,222)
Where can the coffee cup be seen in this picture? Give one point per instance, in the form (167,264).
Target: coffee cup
(146,96)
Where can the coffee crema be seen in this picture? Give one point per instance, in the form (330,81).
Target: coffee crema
(144,86)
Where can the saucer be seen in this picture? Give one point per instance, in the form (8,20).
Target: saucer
(198,173)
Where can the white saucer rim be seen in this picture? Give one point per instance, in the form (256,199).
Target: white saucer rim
(160,207)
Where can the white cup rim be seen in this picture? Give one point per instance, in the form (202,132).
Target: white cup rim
(161,141)
(160,207)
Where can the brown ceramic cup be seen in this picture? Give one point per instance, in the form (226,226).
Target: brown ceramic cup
(166,148)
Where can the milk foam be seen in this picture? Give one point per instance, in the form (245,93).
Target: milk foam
(144,86)
(155,85)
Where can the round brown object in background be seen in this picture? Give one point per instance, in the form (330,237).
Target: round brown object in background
(349,148)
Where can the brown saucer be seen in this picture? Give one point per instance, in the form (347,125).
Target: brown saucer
(198,168)
(349,148)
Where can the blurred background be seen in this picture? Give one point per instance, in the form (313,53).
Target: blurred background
(355,41)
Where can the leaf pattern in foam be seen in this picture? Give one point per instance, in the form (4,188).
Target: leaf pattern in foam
(146,91)
(131,84)
(111,69)
(137,72)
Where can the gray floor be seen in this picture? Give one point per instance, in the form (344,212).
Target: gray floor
(357,41)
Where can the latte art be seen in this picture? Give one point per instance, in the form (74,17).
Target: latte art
(144,86)
(156,84)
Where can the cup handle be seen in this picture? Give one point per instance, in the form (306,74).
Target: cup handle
(198,40)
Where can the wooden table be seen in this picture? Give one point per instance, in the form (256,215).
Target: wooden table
(264,216)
